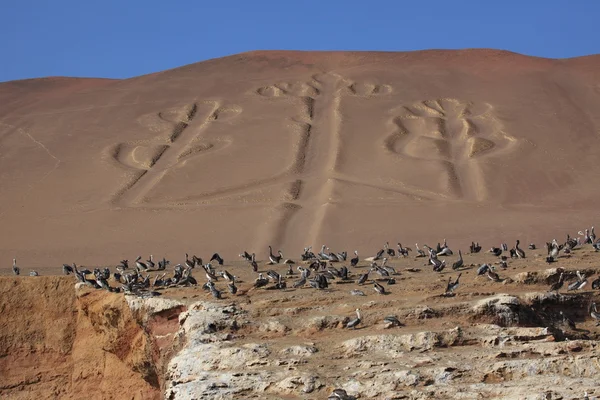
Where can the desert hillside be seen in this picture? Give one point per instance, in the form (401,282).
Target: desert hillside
(292,149)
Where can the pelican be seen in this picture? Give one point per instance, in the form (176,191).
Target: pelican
(567,321)
(596,283)
(227,276)
(356,292)
(594,313)
(352,324)
(140,265)
(253,263)
(459,263)
(363,278)
(273,258)
(518,251)
(420,253)
(231,286)
(579,283)
(16,269)
(378,288)
(261,281)
(496,251)
(557,285)
(246,256)
(34,273)
(189,263)
(300,282)
(474,247)
(452,285)
(392,320)
(354,261)
(216,257)
(150,262)
(492,275)
(67,269)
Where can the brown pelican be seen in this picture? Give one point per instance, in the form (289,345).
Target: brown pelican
(403,250)
(557,285)
(354,261)
(420,253)
(216,257)
(592,235)
(189,263)
(474,247)
(16,269)
(378,288)
(228,277)
(458,263)
(492,275)
(150,262)
(452,285)
(273,258)
(34,273)
(378,255)
(391,320)
(352,324)
(140,265)
(340,394)
(356,292)
(518,251)
(363,278)
(123,265)
(497,251)
(261,281)
(67,269)
(246,256)
(594,313)
(567,321)
(531,246)
(253,263)
(596,283)
(579,283)
(231,286)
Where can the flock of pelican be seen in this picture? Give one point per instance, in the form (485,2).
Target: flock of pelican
(318,271)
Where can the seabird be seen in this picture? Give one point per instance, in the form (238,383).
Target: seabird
(594,313)
(492,275)
(354,261)
(596,283)
(356,292)
(189,263)
(363,278)
(216,257)
(273,258)
(261,281)
(140,265)
(352,324)
(378,288)
(474,247)
(518,251)
(392,320)
(497,251)
(579,283)
(557,285)
(452,285)
(150,262)
(33,273)
(15,269)
(567,321)
(246,256)
(420,253)
(231,286)
(227,276)
(458,263)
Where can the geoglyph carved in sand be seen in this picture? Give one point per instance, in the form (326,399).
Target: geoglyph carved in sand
(179,139)
(316,144)
(456,134)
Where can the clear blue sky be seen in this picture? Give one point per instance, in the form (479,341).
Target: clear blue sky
(125,38)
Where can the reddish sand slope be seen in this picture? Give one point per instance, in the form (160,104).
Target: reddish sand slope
(295,149)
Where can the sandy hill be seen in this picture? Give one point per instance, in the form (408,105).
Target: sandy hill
(350,149)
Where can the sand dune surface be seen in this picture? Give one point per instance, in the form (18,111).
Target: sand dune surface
(291,149)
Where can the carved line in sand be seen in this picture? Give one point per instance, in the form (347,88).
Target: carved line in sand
(318,149)
(150,160)
(455,133)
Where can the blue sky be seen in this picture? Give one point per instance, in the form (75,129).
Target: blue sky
(125,38)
